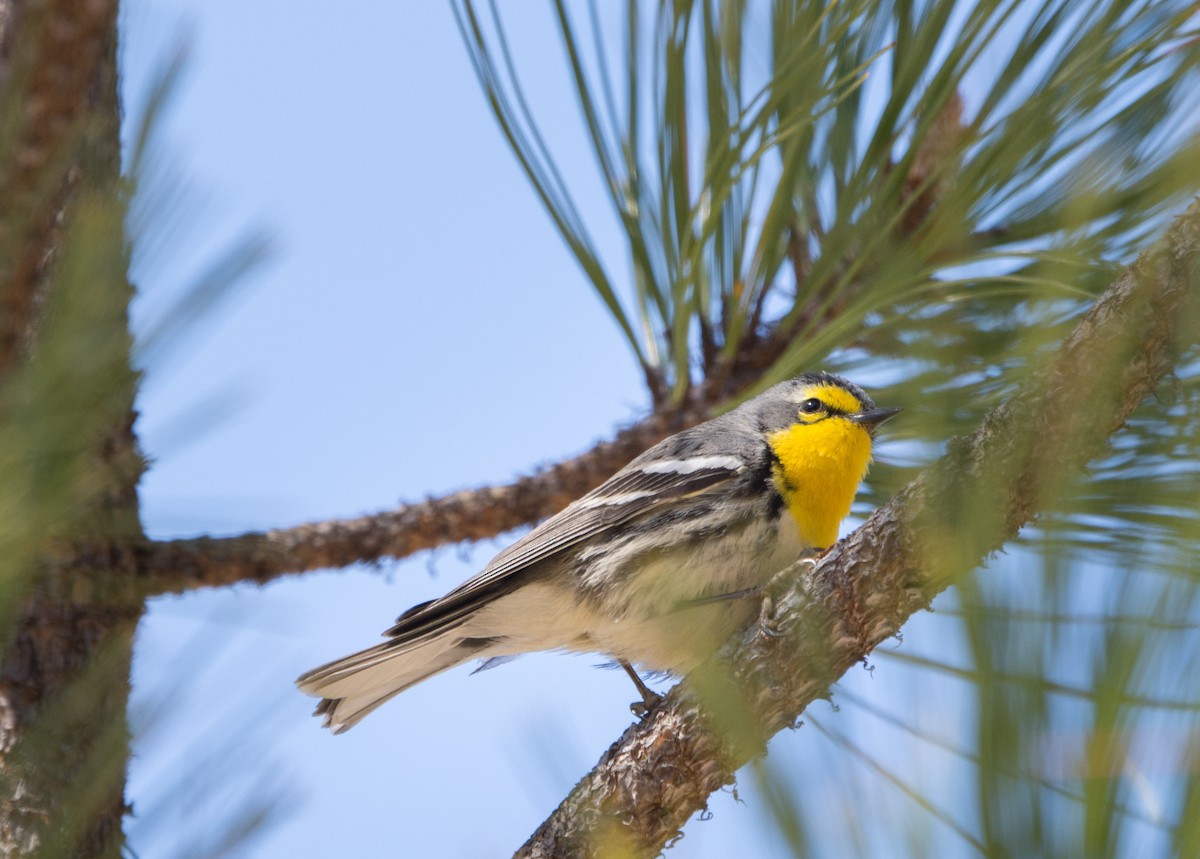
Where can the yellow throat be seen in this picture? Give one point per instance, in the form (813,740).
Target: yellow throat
(818,469)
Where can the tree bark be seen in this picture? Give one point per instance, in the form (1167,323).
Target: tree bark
(68,393)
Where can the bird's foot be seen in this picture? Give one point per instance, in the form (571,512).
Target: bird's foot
(766,618)
(650,698)
(649,701)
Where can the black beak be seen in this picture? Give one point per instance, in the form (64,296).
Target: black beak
(872,419)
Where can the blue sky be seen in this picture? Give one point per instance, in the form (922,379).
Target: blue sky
(418,328)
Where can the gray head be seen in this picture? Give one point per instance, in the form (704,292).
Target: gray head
(813,397)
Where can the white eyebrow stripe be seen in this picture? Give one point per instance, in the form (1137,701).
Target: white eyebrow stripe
(689,466)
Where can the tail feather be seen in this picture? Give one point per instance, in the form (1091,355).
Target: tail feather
(352,687)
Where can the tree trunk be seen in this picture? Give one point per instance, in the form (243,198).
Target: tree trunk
(66,421)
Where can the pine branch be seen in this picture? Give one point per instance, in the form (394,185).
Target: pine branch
(180,565)
(822,621)
(478,514)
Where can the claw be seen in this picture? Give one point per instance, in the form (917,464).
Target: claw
(766,618)
(642,708)
(650,698)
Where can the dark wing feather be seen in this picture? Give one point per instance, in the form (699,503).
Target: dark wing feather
(630,494)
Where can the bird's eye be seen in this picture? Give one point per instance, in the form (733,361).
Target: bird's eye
(811,406)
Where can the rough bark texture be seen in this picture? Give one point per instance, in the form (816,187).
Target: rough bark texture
(824,620)
(64,673)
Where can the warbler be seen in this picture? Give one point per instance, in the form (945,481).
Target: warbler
(657,566)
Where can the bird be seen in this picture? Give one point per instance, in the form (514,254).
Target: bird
(656,567)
